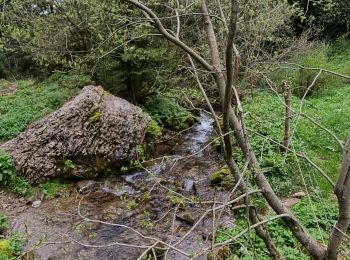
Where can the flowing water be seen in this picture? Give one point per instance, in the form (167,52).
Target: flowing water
(152,201)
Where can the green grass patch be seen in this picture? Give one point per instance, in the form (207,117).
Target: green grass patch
(334,56)
(51,189)
(328,104)
(31,101)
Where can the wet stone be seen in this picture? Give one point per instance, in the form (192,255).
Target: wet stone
(186,217)
(189,186)
(86,186)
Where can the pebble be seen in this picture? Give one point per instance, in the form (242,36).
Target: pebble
(299,194)
(86,186)
(186,217)
(36,204)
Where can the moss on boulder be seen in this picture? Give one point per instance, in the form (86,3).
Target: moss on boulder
(222,178)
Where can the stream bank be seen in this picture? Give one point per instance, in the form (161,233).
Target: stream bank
(162,201)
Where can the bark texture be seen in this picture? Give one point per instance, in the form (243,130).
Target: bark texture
(90,134)
(342,191)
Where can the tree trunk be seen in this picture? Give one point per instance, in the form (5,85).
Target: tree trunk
(342,191)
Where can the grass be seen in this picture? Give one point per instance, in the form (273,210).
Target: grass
(31,101)
(266,120)
(329,105)
(51,189)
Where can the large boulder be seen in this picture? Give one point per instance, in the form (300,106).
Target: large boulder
(90,134)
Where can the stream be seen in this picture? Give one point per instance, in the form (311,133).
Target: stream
(160,201)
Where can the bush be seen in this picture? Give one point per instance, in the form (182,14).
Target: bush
(9,177)
(7,171)
(11,247)
(69,80)
(3,223)
(169,114)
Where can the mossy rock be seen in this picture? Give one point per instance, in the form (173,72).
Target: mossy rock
(181,123)
(169,114)
(222,178)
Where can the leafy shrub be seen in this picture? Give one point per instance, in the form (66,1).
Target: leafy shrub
(3,223)
(20,186)
(11,247)
(169,114)
(153,129)
(9,177)
(70,80)
(7,170)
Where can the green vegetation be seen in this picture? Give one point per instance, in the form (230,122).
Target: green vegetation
(175,200)
(10,246)
(109,41)
(96,116)
(69,165)
(9,178)
(132,204)
(7,170)
(53,188)
(169,114)
(329,106)
(146,221)
(318,217)
(153,129)
(32,101)
(222,178)
(3,223)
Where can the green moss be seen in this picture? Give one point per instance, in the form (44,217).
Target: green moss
(169,114)
(96,116)
(153,129)
(5,248)
(222,178)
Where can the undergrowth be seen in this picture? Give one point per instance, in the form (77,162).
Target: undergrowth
(11,245)
(328,103)
(169,114)
(318,217)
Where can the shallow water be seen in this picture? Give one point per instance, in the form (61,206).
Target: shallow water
(141,199)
